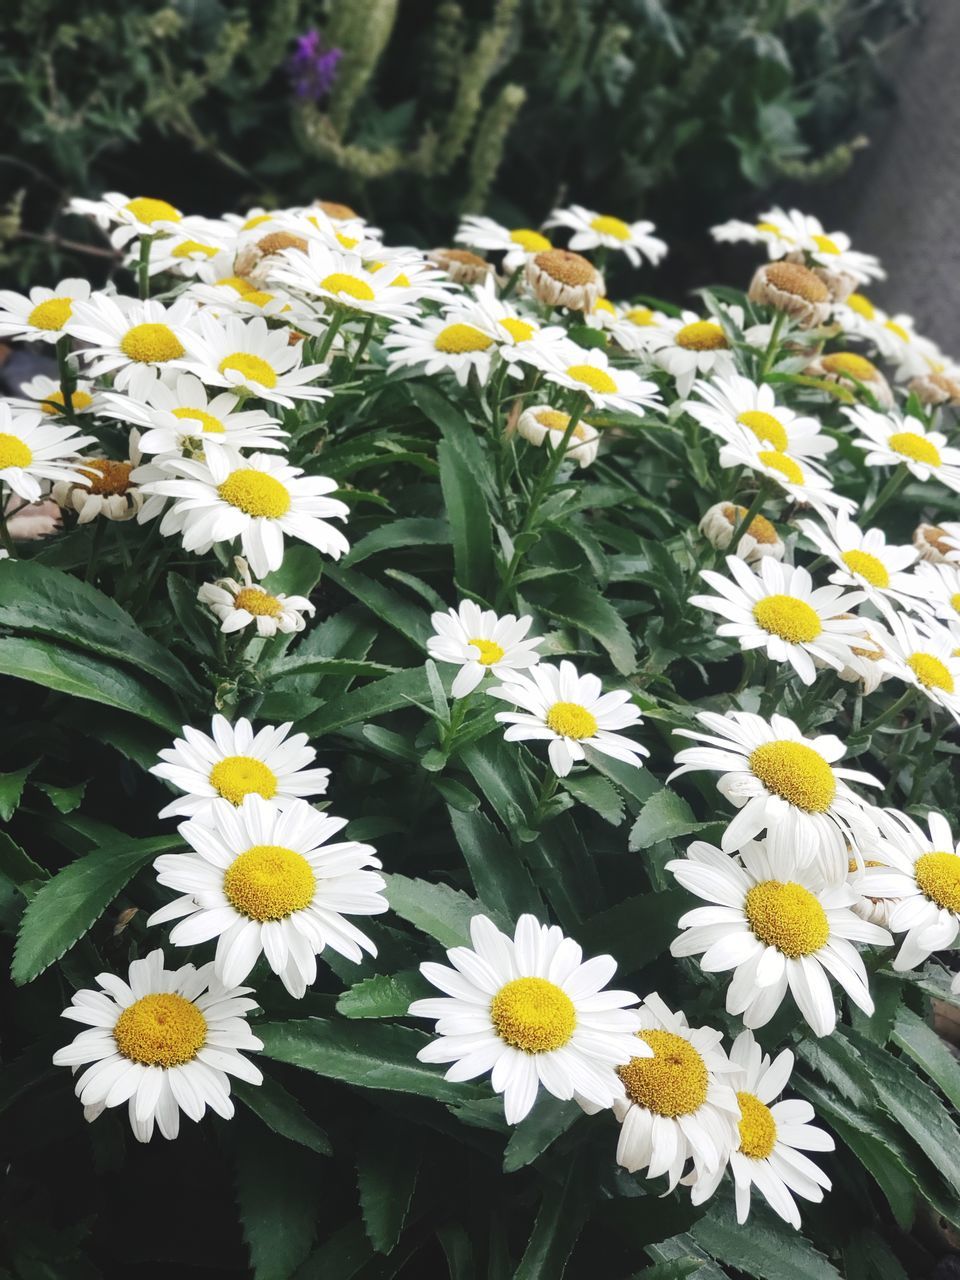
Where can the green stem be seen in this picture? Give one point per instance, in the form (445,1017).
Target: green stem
(891,712)
(328,337)
(95,544)
(143,267)
(68,378)
(743,525)
(889,490)
(5,538)
(773,345)
(362,345)
(511,284)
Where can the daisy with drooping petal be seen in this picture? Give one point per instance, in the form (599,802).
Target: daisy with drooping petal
(125,335)
(45,394)
(529,1010)
(925,654)
(235,763)
(759,539)
(41,315)
(516,246)
(461,340)
(779,778)
(635,328)
(606,385)
(263,880)
(779,610)
(165,1041)
(256,499)
(107,489)
(794,232)
(480,642)
(863,558)
(249,358)
(32,452)
(542,423)
(801,478)
(341,279)
(687,346)
(598,230)
(238,604)
(890,440)
(774,229)
(141,216)
(779,925)
(570,712)
(732,407)
(522,339)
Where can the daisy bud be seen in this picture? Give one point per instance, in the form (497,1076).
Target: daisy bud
(940,544)
(847,368)
(793,289)
(564,279)
(758,540)
(462,266)
(542,422)
(936,388)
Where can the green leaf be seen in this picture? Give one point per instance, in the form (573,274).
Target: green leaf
(64,907)
(556,1230)
(636,930)
(417,531)
(384,995)
(679,1269)
(309,665)
(638,785)
(469,521)
(299,573)
(434,908)
(583,606)
(387,1169)
(499,876)
(455,428)
(375,699)
(530,1138)
(921,1043)
(595,791)
(758,1247)
(340,1257)
(278,1193)
(281,1112)
(665,816)
(63,799)
(11,789)
(17,864)
(458,1251)
(393,609)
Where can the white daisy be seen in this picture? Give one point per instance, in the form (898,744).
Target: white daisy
(107,489)
(478,641)
(341,279)
(45,394)
(606,385)
(256,499)
(141,216)
(532,1013)
(734,407)
(238,604)
(863,558)
(248,357)
(937,588)
(599,230)
(759,539)
(925,654)
(778,925)
(775,229)
(687,346)
(32,451)
(125,335)
(522,339)
(801,478)
(225,299)
(516,245)
(262,880)
(41,315)
(890,440)
(570,712)
(909,351)
(859,317)
(794,232)
(165,1041)
(235,763)
(542,423)
(636,328)
(199,248)
(457,342)
(779,610)
(780,779)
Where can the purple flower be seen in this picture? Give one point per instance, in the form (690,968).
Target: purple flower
(312,66)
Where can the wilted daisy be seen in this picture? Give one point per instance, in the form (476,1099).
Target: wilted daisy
(732,407)
(779,925)
(236,762)
(687,346)
(559,278)
(779,610)
(863,558)
(480,642)
(780,779)
(570,712)
(238,604)
(250,358)
(164,1041)
(542,423)
(41,315)
(530,1011)
(606,385)
(602,231)
(262,880)
(106,491)
(516,246)
(799,477)
(794,290)
(758,540)
(461,340)
(342,280)
(257,499)
(141,216)
(890,440)
(32,452)
(125,334)
(938,543)
(925,654)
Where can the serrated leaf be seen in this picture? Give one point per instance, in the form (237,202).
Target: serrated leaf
(375,699)
(583,606)
(63,799)
(556,1230)
(11,789)
(665,816)
(278,1193)
(281,1112)
(311,665)
(416,531)
(17,864)
(434,908)
(384,995)
(600,795)
(469,520)
(759,1247)
(533,1135)
(921,1043)
(638,785)
(387,1169)
(393,609)
(499,876)
(637,930)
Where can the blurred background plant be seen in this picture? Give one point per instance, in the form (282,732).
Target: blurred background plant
(415,112)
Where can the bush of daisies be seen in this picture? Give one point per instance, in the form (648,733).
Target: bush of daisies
(479,758)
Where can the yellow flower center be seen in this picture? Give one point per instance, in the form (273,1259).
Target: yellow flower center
(673,1082)
(785,915)
(269,882)
(533,1015)
(255,493)
(402,281)
(867,566)
(897,329)
(758,1129)
(531,241)
(54,402)
(519,330)
(702,335)
(955,602)
(150,211)
(938,875)
(931,672)
(607,226)
(606,306)
(791,277)
(571,720)
(257,220)
(765,427)
(234,777)
(642,317)
(490,651)
(862,305)
(569,268)
(193,248)
(207,421)
(52,314)
(257,298)
(151,344)
(260,603)
(825,244)
(760,528)
(791,471)
(791,619)
(911,445)
(237,283)
(852,365)
(161,1030)
(554,420)
(457,339)
(251,368)
(341,283)
(107,476)
(348,242)
(771,229)
(795,772)
(13,452)
(592,377)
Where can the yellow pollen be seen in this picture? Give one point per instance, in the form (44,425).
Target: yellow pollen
(782,462)
(938,875)
(251,368)
(151,344)
(269,882)
(771,228)
(162,1030)
(606,306)
(458,339)
(13,452)
(795,772)
(867,566)
(402,281)
(955,602)
(54,402)
(898,329)
(490,651)
(702,335)
(554,420)
(519,330)
(207,421)
(760,528)
(673,1082)
(909,444)
(592,377)
(532,241)
(642,317)
(568,268)
(257,220)
(348,242)
(785,915)
(150,211)
(260,603)
(190,248)
(765,427)
(234,777)
(758,1129)
(276,241)
(257,298)
(862,305)
(791,619)
(607,226)
(52,314)
(533,1015)
(931,672)
(341,283)
(256,493)
(106,476)
(237,283)
(825,244)
(848,362)
(571,720)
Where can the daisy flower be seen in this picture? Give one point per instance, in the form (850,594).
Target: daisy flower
(799,477)
(32,451)
(461,340)
(106,490)
(516,245)
(780,779)
(530,1011)
(521,337)
(734,407)
(236,762)
(141,216)
(890,440)
(607,386)
(776,230)
(541,422)
(164,1041)
(249,358)
(800,233)
(636,328)
(559,278)
(686,346)
(853,371)
(778,925)
(777,609)
(937,588)
(570,712)
(238,604)
(41,315)
(909,351)
(938,543)
(199,248)
(262,880)
(478,641)
(863,558)
(760,539)
(45,394)
(125,335)
(222,299)
(342,280)
(601,231)
(925,654)
(256,499)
